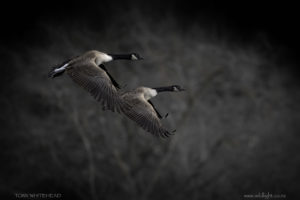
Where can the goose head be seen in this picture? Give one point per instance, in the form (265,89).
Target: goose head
(177,88)
(135,56)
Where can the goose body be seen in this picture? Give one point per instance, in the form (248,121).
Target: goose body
(142,110)
(88,71)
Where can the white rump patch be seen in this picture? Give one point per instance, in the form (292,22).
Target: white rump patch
(61,68)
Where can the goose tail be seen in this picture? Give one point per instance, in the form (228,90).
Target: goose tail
(57,71)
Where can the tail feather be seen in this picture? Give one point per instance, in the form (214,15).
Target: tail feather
(57,71)
(54,72)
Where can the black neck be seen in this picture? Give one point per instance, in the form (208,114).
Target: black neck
(164,89)
(120,56)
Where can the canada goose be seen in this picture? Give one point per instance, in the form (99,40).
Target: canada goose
(89,72)
(142,110)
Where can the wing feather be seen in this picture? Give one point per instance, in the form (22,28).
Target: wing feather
(96,81)
(143,113)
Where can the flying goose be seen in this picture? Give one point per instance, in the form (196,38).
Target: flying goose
(88,71)
(142,110)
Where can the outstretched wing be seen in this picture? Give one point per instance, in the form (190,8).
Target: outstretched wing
(115,83)
(97,83)
(156,111)
(144,115)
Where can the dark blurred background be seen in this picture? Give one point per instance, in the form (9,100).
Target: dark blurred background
(237,123)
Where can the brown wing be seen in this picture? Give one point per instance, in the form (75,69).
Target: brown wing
(145,116)
(97,83)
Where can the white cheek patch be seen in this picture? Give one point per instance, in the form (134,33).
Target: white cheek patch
(61,68)
(133,57)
